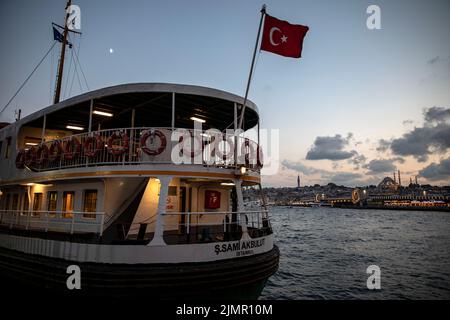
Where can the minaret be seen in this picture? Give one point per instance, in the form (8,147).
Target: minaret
(399,180)
(395,180)
(298,181)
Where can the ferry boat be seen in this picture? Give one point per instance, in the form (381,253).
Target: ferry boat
(92,182)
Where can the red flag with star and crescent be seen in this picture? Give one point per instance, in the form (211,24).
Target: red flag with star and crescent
(283,38)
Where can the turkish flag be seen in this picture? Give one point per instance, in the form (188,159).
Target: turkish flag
(283,38)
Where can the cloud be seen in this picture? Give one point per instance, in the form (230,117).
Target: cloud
(337,177)
(438,59)
(407,122)
(300,167)
(358,161)
(436,114)
(423,141)
(433,60)
(330,148)
(432,137)
(437,171)
(377,166)
(346,178)
(383,145)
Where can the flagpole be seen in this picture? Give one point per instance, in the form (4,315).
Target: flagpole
(61,59)
(263,12)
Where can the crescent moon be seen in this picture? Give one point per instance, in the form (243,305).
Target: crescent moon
(271,36)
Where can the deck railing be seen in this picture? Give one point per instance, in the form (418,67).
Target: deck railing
(144,145)
(65,221)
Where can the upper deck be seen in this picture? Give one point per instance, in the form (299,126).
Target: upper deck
(131,124)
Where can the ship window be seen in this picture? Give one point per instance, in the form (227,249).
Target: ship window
(8,148)
(37,203)
(52,200)
(15,201)
(67,206)
(90,203)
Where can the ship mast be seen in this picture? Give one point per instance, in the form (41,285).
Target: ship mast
(59,75)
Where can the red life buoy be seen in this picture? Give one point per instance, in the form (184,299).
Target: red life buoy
(194,153)
(20,159)
(55,151)
(42,154)
(117,150)
(92,146)
(30,157)
(147,150)
(72,149)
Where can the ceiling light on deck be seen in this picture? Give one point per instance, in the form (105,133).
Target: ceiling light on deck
(198,119)
(243,170)
(31,144)
(75,128)
(227,184)
(102,113)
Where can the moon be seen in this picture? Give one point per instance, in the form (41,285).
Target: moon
(111,50)
(271,36)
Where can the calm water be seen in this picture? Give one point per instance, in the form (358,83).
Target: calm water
(325,253)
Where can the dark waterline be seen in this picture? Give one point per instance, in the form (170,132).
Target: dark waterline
(325,253)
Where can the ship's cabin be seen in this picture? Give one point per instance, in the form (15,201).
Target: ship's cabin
(101,166)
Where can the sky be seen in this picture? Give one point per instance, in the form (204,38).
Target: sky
(358,105)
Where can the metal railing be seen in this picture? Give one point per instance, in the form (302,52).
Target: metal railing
(62,221)
(128,148)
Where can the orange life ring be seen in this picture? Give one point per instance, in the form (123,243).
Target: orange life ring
(20,159)
(117,150)
(92,146)
(153,152)
(72,149)
(30,157)
(42,154)
(55,151)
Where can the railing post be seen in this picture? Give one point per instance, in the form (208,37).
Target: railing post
(28,220)
(47,221)
(72,223)
(158,239)
(187,223)
(102,221)
(11,221)
(241,209)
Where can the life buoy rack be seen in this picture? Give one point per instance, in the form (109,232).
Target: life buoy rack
(92,146)
(72,149)
(30,157)
(156,133)
(55,151)
(247,145)
(20,159)
(223,154)
(259,157)
(118,150)
(42,154)
(194,153)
